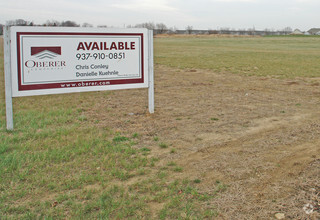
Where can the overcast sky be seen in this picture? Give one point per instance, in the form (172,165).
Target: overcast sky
(201,14)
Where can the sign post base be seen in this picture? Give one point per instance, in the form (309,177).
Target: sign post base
(8,79)
(151,73)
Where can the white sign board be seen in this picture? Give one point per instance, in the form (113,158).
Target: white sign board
(62,60)
(53,60)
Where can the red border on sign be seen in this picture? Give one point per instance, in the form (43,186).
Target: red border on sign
(91,83)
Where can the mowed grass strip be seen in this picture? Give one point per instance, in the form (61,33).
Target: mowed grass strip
(285,57)
(58,164)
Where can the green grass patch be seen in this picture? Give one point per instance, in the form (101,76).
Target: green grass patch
(286,57)
(118,139)
(81,172)
(170,164)
(59,164)
(163,145)
(178,169)
(53,166)
(173,150)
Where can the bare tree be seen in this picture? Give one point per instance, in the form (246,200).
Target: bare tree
(172,30)
(51,23)
(19,22)
(87,25)
(225,30)
(251,31)
(189,29)
(242,31)
(69,24)
(161,28)
(210,31)
(287,30)
(148,25)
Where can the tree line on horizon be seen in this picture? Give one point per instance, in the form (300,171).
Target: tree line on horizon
(160,28)
(54,23)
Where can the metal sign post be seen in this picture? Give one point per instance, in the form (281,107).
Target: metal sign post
(151,73)
(8,80)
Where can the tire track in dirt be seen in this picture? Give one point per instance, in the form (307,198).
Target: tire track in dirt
(261,167)
(256,135)
(264,128)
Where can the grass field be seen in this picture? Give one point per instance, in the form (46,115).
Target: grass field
(58,163)
(83,156)
(262,56)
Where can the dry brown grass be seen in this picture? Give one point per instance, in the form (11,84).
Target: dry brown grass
(259,137)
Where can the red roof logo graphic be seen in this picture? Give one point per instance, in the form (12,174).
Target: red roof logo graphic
(45,52)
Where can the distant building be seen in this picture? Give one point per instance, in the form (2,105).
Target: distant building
(297,32)
(314,31)
(318,33)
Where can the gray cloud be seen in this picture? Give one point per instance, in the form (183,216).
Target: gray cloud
(200,14)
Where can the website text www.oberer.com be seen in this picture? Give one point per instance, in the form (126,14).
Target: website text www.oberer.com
(83,84)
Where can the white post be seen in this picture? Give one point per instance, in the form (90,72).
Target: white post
(151,72)
(7,71)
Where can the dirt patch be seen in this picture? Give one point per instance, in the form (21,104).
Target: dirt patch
(260,137)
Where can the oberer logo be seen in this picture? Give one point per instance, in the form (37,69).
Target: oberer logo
(45,52)
(40,54)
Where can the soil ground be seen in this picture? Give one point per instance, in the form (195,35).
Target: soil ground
(259,136)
